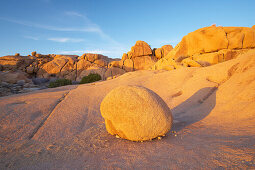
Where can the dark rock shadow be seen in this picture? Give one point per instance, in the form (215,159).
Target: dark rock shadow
(195,108)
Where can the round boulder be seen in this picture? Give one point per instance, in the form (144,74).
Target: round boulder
(135,113)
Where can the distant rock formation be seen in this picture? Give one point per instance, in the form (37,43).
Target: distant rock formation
(209,45)
(203,47)
(141,57)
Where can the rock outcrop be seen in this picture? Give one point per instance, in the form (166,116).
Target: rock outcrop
(139,58)
(15,63)
(135,113)
(212,45)
(203,47)
(54,66)
(163,51)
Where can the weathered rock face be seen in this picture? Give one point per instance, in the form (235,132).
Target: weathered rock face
(93,69)
(135,113)
(15,63)
(213,45)
(13,77)
(128,65)
(73,67)
(139,58)
(113,72)
(140,48)
(144,62)
(163,51)
(60,66)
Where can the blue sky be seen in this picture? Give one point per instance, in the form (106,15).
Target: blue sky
(110,27)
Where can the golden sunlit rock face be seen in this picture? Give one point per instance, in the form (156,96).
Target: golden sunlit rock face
(211,45)
(135,113)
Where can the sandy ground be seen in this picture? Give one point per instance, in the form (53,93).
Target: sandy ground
(61,128)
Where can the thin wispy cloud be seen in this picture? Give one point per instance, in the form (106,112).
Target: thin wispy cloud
(31,37)
(90,26)
(97,51)
(52,28)
(87,26)
(93,25)
(107,52)
(64,40)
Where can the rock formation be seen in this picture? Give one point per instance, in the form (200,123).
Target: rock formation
(163,51)
(203,47)
(141,56)
(135,113)
(211,45)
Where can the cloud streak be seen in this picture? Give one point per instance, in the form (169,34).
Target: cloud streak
(97,51)
(31,37)
(113,47)
(53,28)
(64,40)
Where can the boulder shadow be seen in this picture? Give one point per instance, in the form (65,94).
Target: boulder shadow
(195,108)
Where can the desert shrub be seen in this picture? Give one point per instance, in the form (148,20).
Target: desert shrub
(60,82)
(92,77)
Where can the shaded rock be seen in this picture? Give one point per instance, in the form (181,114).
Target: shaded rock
(163,51)
(30,69)
(116,63)
(15,63)
(135,113)
(143,62)
(101,62)
(21,82)
(158,53)
(39,81)
(124,56)
(113,71)
(165,64)
(166,49)
(33,53)
(38,55)
(4,84)
(93,69)
(190,63)
(13,77)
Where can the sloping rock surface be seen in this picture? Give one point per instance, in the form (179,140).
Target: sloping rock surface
(213,110)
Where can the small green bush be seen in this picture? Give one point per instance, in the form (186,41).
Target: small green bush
(60,82)
(92,77)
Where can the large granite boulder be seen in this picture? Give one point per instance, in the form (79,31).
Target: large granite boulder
(135,113)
